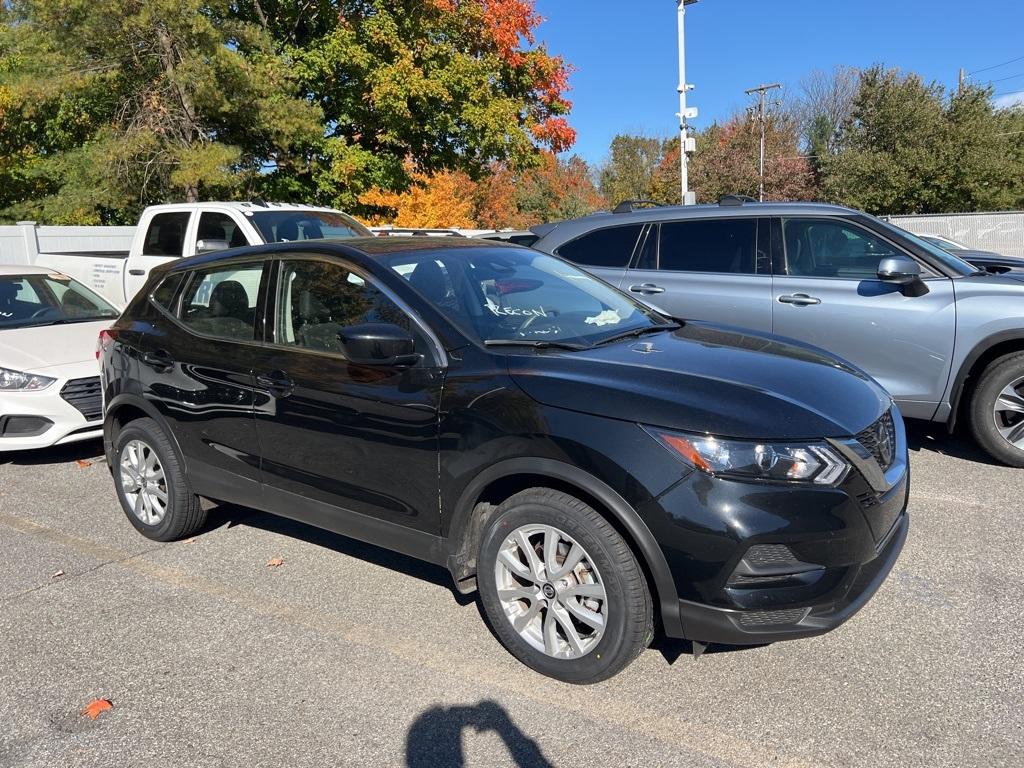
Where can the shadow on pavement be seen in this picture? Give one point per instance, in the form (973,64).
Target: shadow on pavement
(87,450)
(435,738)
(232,515)
(930,436)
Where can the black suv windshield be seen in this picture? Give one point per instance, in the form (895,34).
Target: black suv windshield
(51,299)
(297,224)
(507,295)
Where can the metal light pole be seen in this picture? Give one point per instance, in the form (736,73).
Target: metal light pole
(761,90)
(686,145)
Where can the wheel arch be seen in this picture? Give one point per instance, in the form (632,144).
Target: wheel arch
(984,353)
(123,410)
(481,497)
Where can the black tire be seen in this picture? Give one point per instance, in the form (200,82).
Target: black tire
(628,610)
(184,514)
(998,375)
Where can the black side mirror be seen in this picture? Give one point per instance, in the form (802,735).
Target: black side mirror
(899,270)
(209,245)
(378,344)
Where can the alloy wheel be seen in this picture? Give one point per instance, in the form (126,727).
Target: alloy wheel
(551,592)
(1008,413)
(143,482)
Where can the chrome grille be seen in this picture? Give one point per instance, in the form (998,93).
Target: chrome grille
(880,440)
(85,395)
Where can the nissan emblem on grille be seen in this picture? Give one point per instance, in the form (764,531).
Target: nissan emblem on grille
(880,440)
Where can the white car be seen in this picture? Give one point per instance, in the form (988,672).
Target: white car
(49,378)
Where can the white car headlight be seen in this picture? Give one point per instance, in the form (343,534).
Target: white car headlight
(17,381)
(809,463)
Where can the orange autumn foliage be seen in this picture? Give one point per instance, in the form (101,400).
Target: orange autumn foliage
(443,199)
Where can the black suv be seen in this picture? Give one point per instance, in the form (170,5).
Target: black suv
(592,466)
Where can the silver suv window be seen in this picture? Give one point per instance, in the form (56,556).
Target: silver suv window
(832,248)
(709,245)
(610,248)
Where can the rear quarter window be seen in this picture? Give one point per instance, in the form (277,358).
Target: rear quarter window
(610,248)
(163,295)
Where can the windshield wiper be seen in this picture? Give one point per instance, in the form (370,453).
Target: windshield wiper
(638,332)
(535,343)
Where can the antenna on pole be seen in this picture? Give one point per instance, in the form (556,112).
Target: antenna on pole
(686,145)
(761,90)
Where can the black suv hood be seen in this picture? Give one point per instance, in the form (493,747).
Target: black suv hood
(705,378)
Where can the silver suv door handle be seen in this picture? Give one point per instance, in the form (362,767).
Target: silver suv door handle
(646,288)
(800,299)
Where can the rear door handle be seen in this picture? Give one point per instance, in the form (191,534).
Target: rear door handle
(161,360)
(800,299)
(646,288)
(277,382)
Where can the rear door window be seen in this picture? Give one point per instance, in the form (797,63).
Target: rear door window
(609,248)
(221,301)
(166,234)
(709,245)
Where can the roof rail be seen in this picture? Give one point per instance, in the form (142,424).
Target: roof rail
(736,199)
(628,206)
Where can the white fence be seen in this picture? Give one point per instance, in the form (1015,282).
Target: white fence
(1001,232)
(20,243)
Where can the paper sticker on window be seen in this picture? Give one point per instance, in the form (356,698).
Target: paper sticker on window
(608,317)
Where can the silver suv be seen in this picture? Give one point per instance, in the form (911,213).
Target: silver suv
(946,340)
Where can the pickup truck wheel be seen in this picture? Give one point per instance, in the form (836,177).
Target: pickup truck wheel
(153,491)
(997,410)
(562,590)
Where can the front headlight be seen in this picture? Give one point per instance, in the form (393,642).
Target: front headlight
(16,381)
(808,463)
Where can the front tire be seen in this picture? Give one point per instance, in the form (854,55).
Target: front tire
(152,487)
(997,410)
(562,589)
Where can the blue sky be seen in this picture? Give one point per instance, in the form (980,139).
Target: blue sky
(626,66)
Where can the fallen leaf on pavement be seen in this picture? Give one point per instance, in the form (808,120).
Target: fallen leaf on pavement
(57,574)
(276,562)
(190,541)
(83,463)
(93,708)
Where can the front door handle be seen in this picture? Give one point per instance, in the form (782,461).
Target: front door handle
(278,383)
(646,288)
(160,359)
(137,272)
(800,299)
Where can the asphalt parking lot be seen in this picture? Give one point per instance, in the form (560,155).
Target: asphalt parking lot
(349,655)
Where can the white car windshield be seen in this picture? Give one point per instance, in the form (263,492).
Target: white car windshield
(51,299)
(517,296)
(290,225)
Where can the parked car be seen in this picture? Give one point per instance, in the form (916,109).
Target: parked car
(945,339)
(49,379)
(167,232)
(990,261)
(514,236)
(591,465)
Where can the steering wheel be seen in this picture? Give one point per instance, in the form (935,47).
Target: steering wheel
(42,312)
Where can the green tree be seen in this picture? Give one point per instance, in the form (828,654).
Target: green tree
(630,167)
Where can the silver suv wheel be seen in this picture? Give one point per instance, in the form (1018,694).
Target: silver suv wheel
(550,591)
(1008,413)
(143,482)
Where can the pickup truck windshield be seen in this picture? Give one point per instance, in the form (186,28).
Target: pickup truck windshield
(291,225)
(52,299)
(506,296)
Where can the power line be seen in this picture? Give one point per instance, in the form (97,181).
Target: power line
(1007,93)
(1010,77)
(996,66)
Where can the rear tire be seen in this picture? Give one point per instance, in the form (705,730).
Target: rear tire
(579,622)
(997,410)
(152,487)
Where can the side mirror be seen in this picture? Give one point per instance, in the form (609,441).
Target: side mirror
(378,344)
(899,270)
(209,245)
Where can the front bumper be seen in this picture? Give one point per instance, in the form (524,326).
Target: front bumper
(710,624)
(30,420)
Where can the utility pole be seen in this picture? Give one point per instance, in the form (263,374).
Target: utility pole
(761,90)
(960,85)
(686,144)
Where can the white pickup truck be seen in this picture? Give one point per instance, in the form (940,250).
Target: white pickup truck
(167,232)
